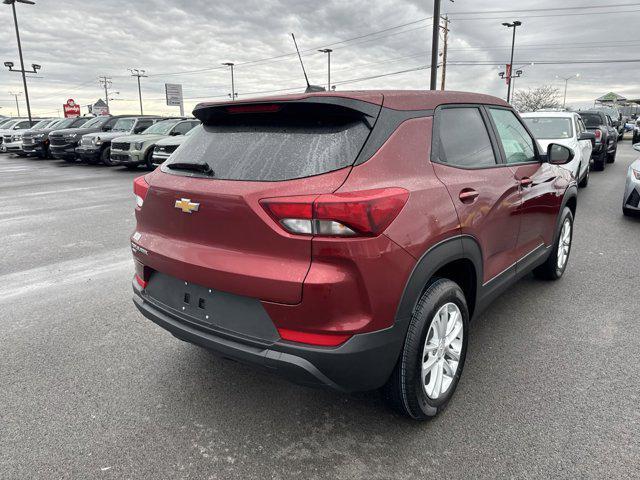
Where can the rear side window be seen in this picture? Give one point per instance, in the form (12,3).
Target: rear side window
(462,139)
(516,142)
(274,147)
(592,119)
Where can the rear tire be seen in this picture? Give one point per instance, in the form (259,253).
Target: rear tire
(427,373)
(599,162)
(556,263)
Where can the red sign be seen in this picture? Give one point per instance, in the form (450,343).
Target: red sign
(508,75)
(71,109)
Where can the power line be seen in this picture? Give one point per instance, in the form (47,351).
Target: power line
(553,9)
(545,15)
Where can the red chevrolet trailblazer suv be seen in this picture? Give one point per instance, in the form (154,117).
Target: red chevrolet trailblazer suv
(346,239)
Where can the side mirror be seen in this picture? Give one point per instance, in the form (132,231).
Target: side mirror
(636,147)
(559,154)
(173,134)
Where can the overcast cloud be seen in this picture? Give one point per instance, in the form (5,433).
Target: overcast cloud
(75,41)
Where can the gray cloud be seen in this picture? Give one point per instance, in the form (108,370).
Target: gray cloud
(77,40)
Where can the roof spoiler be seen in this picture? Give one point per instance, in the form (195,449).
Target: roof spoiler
(214,113)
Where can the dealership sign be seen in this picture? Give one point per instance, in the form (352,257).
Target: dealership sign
(173,92)
(71,109)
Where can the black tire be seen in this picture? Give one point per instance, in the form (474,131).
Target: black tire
(599,162)
(405,391)
(70,159)
(148,159)
(635,139)
(611,157)
(585,180)
(549,270)
(627,212)
(105,156)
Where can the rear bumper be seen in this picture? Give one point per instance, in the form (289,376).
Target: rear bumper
(363,363)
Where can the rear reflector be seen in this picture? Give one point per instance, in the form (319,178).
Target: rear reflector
(319,339)
(254,109)
(141,282)
(598,134)
(140,189)
(365,213)
(142,273)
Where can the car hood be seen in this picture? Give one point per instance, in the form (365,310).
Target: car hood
(140,138)
(76,131)
(106,135)
(175,140)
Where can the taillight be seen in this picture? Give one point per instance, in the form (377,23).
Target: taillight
(320,339)
(140,189)
(142,274)
(365,213)
(598,134)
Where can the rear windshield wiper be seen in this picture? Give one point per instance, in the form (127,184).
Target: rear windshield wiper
(192,167)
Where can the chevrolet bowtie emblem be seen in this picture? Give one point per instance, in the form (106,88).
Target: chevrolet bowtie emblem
(186,206)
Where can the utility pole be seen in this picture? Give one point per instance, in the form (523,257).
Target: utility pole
(328,52)
(233,86)
(138,73)
(106,83)
(444,51)
(24,76)
(435,38)
(513,25)
(15,95)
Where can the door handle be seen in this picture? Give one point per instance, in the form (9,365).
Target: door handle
(525,182)
(468,195)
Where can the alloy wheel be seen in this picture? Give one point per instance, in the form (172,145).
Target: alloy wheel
(564,244)
(441,352)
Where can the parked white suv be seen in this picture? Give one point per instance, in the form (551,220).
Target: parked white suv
(568,129)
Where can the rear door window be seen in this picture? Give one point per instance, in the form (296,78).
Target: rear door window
(273,147)
(462,140)
(516,142)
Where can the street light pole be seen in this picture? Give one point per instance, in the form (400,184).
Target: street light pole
(513,25)
(233,86)
(24,75)
(566,81)
(328,52)
(138,73)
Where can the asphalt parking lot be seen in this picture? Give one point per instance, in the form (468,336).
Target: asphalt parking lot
(91,389)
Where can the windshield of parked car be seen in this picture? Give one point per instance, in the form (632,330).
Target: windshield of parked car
(10,124)
(591,119)
(41,124)
(547,128)
(160,128)
(124,125)
(95,122)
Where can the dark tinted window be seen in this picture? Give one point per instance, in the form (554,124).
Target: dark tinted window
(274,148)
(462,138)
(592,119)
(183,127)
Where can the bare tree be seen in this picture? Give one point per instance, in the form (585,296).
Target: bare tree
(536,98)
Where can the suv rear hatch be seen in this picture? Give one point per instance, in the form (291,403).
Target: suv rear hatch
(201,219)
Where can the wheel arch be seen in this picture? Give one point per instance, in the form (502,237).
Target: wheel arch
(458,259)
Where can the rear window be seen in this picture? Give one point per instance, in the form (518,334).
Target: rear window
(547,128)
(274,147)
(592,119)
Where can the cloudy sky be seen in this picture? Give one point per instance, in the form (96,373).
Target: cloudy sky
(377,44)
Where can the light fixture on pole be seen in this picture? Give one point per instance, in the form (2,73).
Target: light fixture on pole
(514,25)
(10,64)
(135,72)
(328,52)
(233,93)
(566,81)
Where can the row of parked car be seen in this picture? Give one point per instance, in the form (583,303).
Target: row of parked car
(124,140)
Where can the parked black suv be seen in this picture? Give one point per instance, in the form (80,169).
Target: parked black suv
(63,143)
(606,144)
(37,141)
(96,147)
